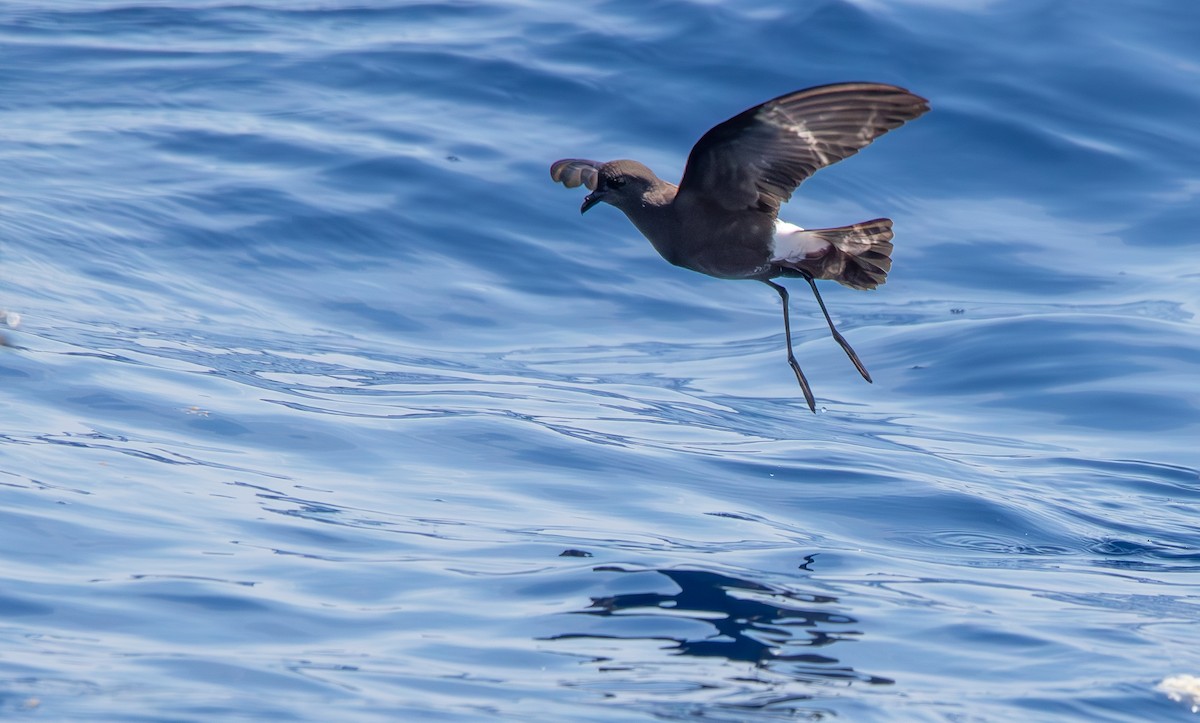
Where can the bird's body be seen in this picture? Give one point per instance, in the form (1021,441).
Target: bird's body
(722,218)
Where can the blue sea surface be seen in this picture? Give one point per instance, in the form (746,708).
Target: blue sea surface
(319,401)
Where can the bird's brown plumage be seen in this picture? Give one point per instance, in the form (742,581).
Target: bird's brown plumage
(722,218)
(757,158)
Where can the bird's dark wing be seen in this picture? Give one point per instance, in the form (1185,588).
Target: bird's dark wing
(757,158)
(572,172)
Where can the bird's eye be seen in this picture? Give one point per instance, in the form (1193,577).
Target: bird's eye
(616,182)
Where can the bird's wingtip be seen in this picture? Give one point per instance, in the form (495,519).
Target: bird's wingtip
(575,172)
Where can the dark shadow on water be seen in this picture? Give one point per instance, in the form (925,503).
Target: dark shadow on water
(777,631)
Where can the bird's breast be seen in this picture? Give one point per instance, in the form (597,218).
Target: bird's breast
(724,245)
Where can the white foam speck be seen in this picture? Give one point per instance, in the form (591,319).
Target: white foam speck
(1182,689)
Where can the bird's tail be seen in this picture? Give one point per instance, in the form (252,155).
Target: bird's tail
(860,257)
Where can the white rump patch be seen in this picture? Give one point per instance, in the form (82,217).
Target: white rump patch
(793,244)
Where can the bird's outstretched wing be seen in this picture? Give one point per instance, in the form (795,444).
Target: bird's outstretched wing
(572,172)
(757,158)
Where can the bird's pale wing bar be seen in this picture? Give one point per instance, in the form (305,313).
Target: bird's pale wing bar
(761,155)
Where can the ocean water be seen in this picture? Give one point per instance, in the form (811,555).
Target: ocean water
(320,401)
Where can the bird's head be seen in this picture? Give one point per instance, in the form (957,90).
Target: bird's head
(624,184)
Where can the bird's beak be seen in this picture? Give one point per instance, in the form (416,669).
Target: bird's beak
(591,200)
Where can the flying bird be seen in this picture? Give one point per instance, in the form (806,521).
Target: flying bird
(723,217)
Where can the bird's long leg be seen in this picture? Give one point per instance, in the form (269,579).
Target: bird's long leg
(841,340)
(787,331)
